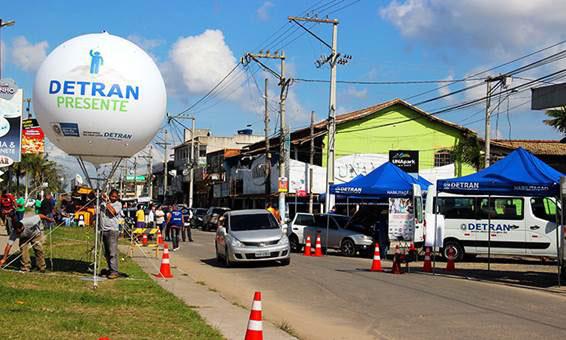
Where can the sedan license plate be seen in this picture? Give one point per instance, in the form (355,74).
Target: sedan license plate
(262,254)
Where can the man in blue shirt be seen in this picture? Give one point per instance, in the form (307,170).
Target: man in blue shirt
(175,224)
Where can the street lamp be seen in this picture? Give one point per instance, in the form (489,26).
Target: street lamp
(2,25)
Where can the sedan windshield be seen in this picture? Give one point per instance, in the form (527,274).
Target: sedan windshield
(253,222)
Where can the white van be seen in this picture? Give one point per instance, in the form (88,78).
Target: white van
(519,225)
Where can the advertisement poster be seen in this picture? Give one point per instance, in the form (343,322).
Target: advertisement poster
(11,105)
(407,160)
(401,219)
(33,139)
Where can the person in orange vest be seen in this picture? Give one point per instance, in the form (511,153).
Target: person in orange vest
(269,207)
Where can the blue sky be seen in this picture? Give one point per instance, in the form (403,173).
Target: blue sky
(389,41)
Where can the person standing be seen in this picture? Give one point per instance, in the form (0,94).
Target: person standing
(160,218)
(20,206)
(37,204)
(140,217)
(47,207)
(111,211)
(273,211)
(7,209)
(28,230)
(151,216)
(175,223)
(186,231)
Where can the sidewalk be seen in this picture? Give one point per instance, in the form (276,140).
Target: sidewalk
(230,319)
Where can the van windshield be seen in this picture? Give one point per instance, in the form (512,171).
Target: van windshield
(544,208)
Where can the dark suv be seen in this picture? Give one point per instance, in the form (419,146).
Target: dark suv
(210,220)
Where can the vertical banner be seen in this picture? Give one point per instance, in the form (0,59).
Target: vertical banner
(401,219)
(33,139)
(11,106)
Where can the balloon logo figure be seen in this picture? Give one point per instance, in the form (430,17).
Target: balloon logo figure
(95,62)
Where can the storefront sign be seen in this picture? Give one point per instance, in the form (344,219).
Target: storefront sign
(407,160)
(11,104)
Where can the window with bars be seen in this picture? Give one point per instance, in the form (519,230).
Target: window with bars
(442,158)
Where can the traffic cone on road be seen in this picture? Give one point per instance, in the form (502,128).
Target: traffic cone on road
(396,268)
(376,263)
(159,238)
(255,326)
(451,256)
(165,269)
(144,240)
(318,246)
(308,247)
(427,265)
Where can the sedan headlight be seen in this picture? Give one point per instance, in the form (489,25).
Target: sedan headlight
(235,242)
(284,240)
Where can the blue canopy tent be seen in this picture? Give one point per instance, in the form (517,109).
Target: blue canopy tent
(519,174)
(387,180)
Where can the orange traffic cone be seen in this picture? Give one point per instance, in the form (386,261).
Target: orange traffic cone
(376,264)
(159,238)
(451,252)
(396,268)
(308,247)
(318,246)
(165,270)
(255,326)
(144,240)
(427,265)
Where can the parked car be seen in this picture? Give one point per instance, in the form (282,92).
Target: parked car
(295,232)
(251,235)
(349,239)
(210,221)
(198,217)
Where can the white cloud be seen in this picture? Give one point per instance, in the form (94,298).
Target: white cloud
(500,27)
(263,11)
(354,92)
(145,43)
(26,55)
(203,60)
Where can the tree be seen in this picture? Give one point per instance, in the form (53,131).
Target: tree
(468,151)
(557,119)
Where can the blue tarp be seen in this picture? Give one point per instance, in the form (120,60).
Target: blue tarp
(385,181)
(518,174)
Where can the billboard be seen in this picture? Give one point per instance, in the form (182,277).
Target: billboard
(407,160)
(33,139)
(11,105)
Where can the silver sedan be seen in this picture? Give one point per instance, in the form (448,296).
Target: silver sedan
(251,235)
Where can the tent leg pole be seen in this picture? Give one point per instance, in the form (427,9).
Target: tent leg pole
(558,252)
(489,232)
(435,210)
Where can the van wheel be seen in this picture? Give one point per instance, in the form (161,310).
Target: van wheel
(457,247)
(348,247)
(294,243)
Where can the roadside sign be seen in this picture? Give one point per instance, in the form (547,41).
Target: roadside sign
(11,105)
(283,184)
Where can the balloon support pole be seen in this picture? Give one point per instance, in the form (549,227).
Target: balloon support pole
(101,182)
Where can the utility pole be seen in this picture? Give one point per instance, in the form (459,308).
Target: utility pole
(136,177)
(332,60)
(192,169)
(148,179)
(501,79)
(284,142)
(311,163)
(165,159)
(267,148)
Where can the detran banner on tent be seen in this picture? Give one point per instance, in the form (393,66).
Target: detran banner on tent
(100,97)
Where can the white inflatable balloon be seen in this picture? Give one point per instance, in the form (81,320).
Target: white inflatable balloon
(100,97)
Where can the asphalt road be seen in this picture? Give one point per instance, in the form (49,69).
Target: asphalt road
(337,298)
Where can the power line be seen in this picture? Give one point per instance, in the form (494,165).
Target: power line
(384,82)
